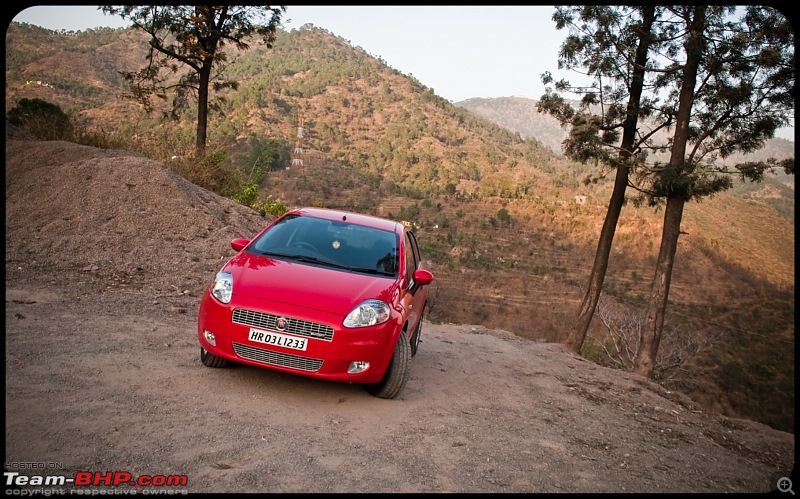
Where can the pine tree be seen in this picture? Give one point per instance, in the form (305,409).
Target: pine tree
(193,36)
(719,79)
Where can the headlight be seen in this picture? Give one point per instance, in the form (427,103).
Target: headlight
(223,287)
(368,313)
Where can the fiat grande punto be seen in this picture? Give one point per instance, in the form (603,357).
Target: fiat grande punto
(321,293)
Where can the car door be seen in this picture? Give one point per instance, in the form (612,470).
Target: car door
(416,295)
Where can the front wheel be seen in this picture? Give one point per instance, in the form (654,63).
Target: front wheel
(210,360)
(396,374)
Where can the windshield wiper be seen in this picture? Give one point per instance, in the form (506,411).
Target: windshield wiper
(299,258)
(370,271)
(275,253)
(311,259)
(304,258)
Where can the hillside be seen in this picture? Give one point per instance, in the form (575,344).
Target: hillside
(103,373)
(507,224)
(520,115)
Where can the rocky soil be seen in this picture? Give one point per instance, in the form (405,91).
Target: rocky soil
(107,254)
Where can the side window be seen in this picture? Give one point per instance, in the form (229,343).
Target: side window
(412,258)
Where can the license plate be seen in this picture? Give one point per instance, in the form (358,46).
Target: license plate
(277,339)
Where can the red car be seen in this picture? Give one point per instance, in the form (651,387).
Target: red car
(321,293)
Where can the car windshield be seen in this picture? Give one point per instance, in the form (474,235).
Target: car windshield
(333,243)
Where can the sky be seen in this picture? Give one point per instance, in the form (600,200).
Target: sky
(460,52)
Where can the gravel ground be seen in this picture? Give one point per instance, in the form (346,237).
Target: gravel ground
(107,254)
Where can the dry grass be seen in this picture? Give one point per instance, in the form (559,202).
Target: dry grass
(747,233)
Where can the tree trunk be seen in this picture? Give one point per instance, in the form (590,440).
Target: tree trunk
(204,78)
(575,340)
(656,310)
(576,337)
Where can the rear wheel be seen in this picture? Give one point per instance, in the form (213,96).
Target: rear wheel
(396,374)
(210,360)
(415,340)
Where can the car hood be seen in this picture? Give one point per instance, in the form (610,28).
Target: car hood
(318,287)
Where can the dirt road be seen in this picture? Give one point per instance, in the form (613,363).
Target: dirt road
(103,373)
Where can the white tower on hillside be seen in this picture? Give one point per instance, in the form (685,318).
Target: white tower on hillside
(297,156)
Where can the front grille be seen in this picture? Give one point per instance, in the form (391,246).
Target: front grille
(294,326)
(277,358)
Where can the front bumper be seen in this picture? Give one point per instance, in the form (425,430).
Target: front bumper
(326,356)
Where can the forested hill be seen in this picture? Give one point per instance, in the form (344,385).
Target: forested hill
(520,115)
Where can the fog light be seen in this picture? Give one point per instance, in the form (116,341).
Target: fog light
(209,336)
(358,366)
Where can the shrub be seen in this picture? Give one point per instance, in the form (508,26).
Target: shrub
(248,195)
(504,216)
(42,119)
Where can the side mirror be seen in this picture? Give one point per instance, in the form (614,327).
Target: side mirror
(422,277)
(239,243)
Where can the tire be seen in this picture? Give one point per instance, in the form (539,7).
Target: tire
(396,374)
(211,360)
(415,340)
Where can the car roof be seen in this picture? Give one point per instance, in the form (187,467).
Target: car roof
(356,218)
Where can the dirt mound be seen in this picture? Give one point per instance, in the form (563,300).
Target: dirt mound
(106,255)
(77,208)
